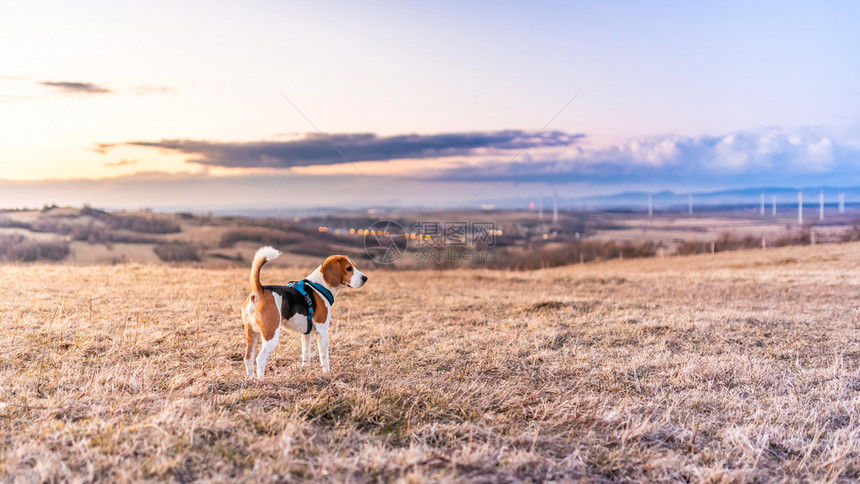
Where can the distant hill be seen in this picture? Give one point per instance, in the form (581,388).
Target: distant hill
(89,235)
(522,239)
(673,200)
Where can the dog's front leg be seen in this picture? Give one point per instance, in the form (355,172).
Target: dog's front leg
(306,350)
(322,345)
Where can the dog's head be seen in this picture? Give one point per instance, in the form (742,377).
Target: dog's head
(339,270)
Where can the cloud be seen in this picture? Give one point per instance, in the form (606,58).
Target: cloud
(15,88)
(76,87)
(769,155)
(764,156)
(120,163)
(329,149)
(102,148)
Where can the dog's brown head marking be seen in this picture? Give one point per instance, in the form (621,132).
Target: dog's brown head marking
(337,270)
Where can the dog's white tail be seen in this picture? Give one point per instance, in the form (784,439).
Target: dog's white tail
(263,255)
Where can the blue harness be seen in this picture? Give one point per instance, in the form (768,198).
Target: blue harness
(301,287)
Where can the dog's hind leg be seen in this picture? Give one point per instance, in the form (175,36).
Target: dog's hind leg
(268,349)
(251,339)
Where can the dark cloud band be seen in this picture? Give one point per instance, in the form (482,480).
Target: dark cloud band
(76,87)
(769,155)
(326,149)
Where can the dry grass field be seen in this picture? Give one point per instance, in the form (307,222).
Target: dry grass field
(740,366)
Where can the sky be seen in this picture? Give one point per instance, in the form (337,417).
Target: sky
(344,104)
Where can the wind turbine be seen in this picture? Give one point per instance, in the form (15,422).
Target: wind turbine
(821,205)
(800,207)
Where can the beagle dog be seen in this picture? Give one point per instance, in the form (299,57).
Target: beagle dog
(270,308)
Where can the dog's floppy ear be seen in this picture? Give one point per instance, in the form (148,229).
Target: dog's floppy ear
(331,271)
